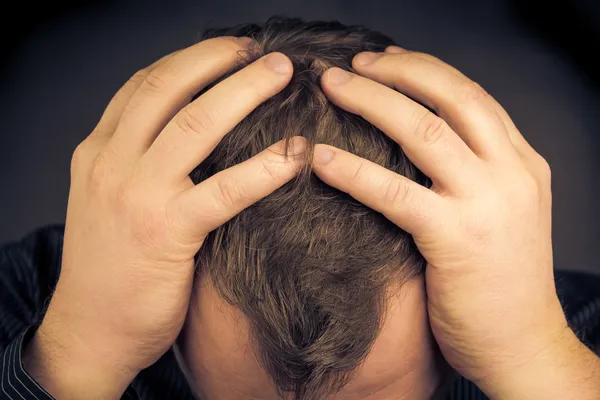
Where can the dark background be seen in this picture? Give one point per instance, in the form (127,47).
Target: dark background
(63,62)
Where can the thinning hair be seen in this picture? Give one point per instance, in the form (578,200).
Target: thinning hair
(308,265)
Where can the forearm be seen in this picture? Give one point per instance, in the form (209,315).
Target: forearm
(568,370)
(68,368)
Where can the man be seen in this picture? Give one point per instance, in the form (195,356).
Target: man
(281,309)
(292,293)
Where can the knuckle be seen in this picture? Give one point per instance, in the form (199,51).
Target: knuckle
(427,57)
(431,129)
(139,77)
(270,170)
(357,175)
(469,92)
(221,43)
(545,170)
(396,193)
(229,193)
(153,83)
(196,123)
(226,47)
(79,157)
(101,172)
(407,58)
(401,62)
(412,59)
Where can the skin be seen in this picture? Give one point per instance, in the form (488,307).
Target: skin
(135,220)
(216,349)
(484,226)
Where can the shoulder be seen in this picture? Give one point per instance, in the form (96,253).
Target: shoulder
(39,248)
(29,269)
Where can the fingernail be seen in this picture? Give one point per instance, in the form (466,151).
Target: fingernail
(245,41)
(395,49)
(337,76)
(323,155)
(278,63)
(366,58)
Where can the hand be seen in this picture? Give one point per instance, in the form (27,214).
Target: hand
(135,220)
(484,226)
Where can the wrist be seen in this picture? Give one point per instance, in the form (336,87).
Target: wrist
(564,368)
(69,368)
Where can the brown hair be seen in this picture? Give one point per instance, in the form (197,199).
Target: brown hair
(309,265)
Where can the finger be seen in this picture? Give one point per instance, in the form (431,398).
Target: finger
(395,49)
(216,200)
(515,135)
(525,150)
(194,132)
(425,138)
(111,116)
(167,88)
(467,108)
(409,205)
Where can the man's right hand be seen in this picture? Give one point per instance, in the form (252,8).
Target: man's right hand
(135,220)
(484,226)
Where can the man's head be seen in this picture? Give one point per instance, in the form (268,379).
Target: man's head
(307,288)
